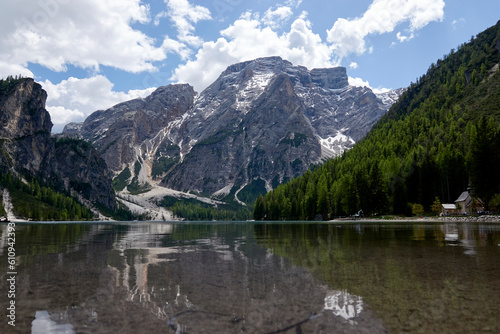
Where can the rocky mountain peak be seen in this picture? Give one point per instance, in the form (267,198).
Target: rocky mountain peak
(328,78)
(269,64)
(23,110)
(25,128)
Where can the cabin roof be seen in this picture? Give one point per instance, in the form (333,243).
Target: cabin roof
(449,206)
(463,197)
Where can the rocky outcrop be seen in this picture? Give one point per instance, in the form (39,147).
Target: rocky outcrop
(27,149)
(126,131)
(84,171)
(25,127)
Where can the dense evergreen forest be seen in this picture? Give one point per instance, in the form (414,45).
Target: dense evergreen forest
(32,201)
(442,135)
(191,209)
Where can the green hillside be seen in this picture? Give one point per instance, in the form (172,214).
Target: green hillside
(32,201)
(442,134)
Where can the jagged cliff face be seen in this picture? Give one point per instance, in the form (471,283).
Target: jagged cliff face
(130,130)
(25,130)
(261,120)
(27,149)
(230,141)
(83,170)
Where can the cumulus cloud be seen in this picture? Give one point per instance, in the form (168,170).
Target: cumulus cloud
(172,45)
(300,45)
(7,69)
(353,65)
(74,99)
(184,16)
(348,36)
(84,33)
(277,17)
(61,116)
(358,82)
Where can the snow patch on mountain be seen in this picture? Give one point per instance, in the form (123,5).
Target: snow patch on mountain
(224,191)
(253,88)
(390,97)
(338,143)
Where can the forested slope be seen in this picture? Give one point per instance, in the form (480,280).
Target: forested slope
(442,134)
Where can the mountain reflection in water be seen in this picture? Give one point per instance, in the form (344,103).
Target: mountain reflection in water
(254,278)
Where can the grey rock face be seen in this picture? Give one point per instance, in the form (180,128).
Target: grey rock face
(263,119)
(26,147)
(272,138)
(123,131)
(84,171)
(25,130)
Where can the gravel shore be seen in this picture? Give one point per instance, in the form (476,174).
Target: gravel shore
(474,219)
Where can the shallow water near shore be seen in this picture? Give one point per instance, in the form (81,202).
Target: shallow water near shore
(249,277)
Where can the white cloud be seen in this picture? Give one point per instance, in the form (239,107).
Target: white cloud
(358,82)
(7,69)
(458,22)
(61,116)
(185,16)
(74,99)
(293,3)
(276,18)
(300,45)
(159,16)
(84,33)
(353,65)
(172,45)
(348,36)
(381,90)
(401,38)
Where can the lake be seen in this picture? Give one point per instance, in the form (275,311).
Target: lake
(250,277)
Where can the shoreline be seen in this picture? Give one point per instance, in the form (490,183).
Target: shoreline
(393,219)
(448,219)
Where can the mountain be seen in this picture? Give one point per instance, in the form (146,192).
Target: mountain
(262,122)
(439,138)
(29,153)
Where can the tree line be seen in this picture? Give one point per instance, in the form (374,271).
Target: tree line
(30,200)
(191,209)
(7,84)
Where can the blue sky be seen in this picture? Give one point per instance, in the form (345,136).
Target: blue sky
(92,54)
